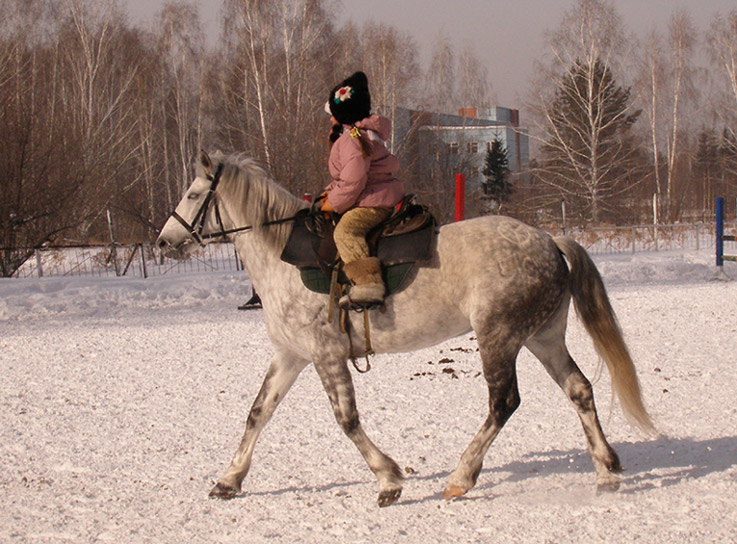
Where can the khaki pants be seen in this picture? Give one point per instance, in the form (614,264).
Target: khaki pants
(350,233)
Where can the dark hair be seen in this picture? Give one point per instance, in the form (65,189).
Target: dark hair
(363,141)
(366,145)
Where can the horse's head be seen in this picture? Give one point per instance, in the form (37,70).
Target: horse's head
(196,219)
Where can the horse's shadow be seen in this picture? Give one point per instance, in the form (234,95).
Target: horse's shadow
(658,463)
(651,464)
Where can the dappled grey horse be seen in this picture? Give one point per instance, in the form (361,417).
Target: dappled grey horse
(502,279)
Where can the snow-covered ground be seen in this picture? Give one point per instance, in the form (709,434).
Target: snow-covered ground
(121,400)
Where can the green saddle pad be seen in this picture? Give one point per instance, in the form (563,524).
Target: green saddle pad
(319,282)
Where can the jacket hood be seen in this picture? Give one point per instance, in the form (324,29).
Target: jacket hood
(378,124)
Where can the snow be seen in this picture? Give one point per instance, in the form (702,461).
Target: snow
(124,399)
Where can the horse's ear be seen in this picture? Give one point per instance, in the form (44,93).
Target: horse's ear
(205,161)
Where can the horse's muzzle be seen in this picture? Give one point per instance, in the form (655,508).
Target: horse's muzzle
(177,251)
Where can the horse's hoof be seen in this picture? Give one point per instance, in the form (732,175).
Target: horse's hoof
(453,491)
(607,487)
(225,492)
(389,497)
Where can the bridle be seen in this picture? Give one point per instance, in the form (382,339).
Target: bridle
(197,226)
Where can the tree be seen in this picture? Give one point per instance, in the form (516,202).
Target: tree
(727,160)
(589,155)
(440,78)
(276,69)
(722,43)
(589,151)
(474,89)
(496,188)
(705,167)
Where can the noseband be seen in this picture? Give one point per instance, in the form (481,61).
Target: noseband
(197,226)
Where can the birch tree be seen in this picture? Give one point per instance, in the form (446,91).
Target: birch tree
(722,45)
(666,77)
(182,51)
(589,154)
(276,59)
(474,89)
(682,41)
(441,78)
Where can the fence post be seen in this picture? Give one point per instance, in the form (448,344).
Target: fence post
(238,263)
(39,269)
(143,261)
(655,220)
(720,233)
(460,196)
(633,239)
(113,249)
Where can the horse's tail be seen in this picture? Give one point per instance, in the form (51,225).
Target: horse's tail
(595,311)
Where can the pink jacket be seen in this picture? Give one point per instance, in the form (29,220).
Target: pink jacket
(359,181)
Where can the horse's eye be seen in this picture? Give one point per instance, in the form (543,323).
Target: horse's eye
(193,196)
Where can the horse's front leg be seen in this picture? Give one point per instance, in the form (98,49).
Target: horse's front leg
(282,373)
(336,379)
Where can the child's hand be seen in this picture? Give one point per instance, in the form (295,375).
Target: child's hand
(326,206)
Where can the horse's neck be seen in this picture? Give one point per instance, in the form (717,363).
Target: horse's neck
(261,257)
(260,248)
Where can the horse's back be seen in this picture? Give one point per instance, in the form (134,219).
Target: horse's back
(488,269)
(500,248)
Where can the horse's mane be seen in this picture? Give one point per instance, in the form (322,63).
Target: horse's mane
(256,198)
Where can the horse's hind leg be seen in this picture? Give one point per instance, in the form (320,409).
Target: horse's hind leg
(336,379)
(282,373)
(548,345)
(501,378)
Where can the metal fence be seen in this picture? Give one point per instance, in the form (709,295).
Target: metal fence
(136,260)
(143,260)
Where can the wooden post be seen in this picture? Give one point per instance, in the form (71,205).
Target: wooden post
(460,197)
(655,219)
(113,250)
(39,268)
(143,261)
(720,233)
(633,239)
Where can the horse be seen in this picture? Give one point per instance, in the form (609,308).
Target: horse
(509,283)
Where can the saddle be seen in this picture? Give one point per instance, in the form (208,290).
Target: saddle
(404,239)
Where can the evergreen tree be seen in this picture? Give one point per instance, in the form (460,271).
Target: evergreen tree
(590,154)
(728,158)
(706,166)
(496,187)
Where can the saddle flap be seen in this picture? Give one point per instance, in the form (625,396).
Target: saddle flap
(406,237)
(300,248)
(408,246)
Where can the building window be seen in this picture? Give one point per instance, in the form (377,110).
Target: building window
(453,148)
(472,147)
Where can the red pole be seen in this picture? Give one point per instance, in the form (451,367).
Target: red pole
(460,196)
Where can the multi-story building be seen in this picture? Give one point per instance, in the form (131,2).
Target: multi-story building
(433,144)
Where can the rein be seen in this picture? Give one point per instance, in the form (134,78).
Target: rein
(197,226)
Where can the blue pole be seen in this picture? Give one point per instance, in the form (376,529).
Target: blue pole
(720,231)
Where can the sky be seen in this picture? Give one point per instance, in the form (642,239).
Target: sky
(507,35)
